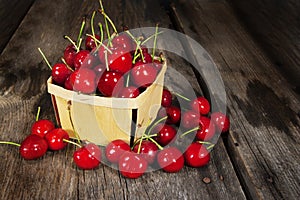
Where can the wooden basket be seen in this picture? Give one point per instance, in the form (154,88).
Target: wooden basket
(103,119)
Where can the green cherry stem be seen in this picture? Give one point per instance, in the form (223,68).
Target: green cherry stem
(80,32)
(150,37)
(92,23)
(106,60)
(189,131)
(11,143)
(72,42)
(105,47)
(79,44)
(64,61)
(45,59)
(210,147)
(158,145)
(155,40)
(204,142)
(71,142)
(38,114)
(138,47)
(109,20)
(157,122)
(183,97)
(101,32)
(127,79)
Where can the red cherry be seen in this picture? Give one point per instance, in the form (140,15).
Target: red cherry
(69,55)
(190,119)
(157,64)
(82,80)
(148,150)
(207,129)
(129,92)
(119,61)
(132,165)
(166,100)
(55,139)
(165,134)
(88,156)
(147,58)
(83,59)
(123,41)
(60,72)
(110,83)
(221,121)
(173,114)
(115,149)
(196,155)
(42,127)
(170,159)
(143,74)
(33,147)
(201,105)
(90,42)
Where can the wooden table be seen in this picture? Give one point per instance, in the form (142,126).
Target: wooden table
(258,159)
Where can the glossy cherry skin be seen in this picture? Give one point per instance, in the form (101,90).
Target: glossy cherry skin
(69,55)
(42,127)
(207,129)
(82,80)
(196,155)
(166,100)
(120,61)
(110,83)
(132,165)
(148,150)
(129,92)
(115,149)
(170,159)
(143,74)
(90,42)
(201,105)
(83,59)
(174,114)
(190,119)
(123,41)
(33,147)
(60,72)
(55,139)
(165,134)
(221,121)
(87,157)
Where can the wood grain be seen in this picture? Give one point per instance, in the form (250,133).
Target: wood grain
(264,138)
(23,87)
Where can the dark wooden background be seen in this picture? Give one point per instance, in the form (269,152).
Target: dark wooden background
(255,45)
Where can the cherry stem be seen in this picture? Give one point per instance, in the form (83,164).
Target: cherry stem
(71,142)
(137,47)
(150,37)
(72,42)
(76,134)
(189,131)
(106,60)
(210,147)
(45,59)
(109,20)
(80,32)
(96,40)
(153,135)
(157,122)
(128,79)
(158,145)
(204,142)
(64,61)
(92,23)
(181,96)
(80,41)
(155,40)
(38,114)
(10,143)
(101,32)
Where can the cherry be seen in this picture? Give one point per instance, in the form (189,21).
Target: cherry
(173,114)
(120,61)
(33,147)
(132,165)
(90,42)
(42,127)
(201,105)
(221,121)
(99,69)
(115,149)
(148,150)
(110,83)
(165,134)
(157,64)
(207,129)
(147,58)
(129,92)
(83,58)
(82,80)
(196,155)
(88,156)
(60,72)
(166,100)
(190,119)
(143,74)
(55,139)
(69,55)
(170,159)
(123,41)
(101,52)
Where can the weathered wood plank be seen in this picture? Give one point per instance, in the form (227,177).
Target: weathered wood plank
(11,13)
(275,24)
(264,137)
(55,176)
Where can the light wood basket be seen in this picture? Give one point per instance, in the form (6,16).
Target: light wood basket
(103,119)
